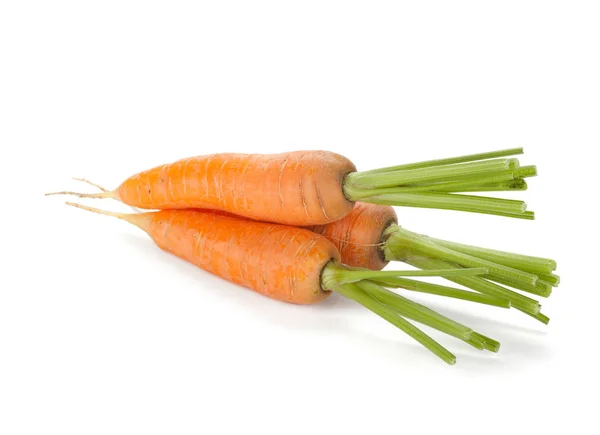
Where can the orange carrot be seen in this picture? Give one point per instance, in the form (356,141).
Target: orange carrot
(231,249)
(370,237)
(293,265)
(317,187)
(359,235)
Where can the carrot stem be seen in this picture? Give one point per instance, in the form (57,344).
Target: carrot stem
(347,274)
(386,303)
(518,301)
(451,160)
(526,263)
(424,315)
(516,184)
(406,243)
(540,317)
(453,201)
(492,182)
(436,184)
(540,288)
(354,292)
(489,343)
(550,278)
(441,290)
(439,173)
(416,311)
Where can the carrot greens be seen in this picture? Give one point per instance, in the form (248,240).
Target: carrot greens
(363,286)
(505,270)
(438,183)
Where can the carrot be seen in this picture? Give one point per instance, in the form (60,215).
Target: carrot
(359,235)
(370,237)
(293,265)
(318,187)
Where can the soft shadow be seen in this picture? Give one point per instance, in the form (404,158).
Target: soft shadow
(334,317)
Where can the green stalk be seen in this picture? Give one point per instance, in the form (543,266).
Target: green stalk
(410,176)
(441,290)
(489,343)
(356,284)
(550,278)
(354,292)
(505,186)
(415,311)
(525,171)
(426,316)
(528,215)
(444,186)
(535,265)
(540,317)
(406,243)
(540,288)
(344,275)
(451,201)
(435,184)
(451,160)
(518,301)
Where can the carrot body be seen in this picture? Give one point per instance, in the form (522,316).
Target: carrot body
(277,261)
(358,236)
(299,188)
(281,262)
(318,187)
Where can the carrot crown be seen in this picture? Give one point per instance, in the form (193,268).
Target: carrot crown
(505,269)
(366,287)
(439,184)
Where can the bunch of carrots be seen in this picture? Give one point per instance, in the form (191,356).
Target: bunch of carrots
(299,226)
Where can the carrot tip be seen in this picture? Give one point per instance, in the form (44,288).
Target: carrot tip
(83,180)
(141,220)
(104,194)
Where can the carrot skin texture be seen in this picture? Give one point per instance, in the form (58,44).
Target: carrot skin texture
(358,236)
(281,262)
(296,188)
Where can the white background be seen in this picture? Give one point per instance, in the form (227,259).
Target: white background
(101,332)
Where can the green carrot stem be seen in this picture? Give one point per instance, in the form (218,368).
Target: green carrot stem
(550,278)
(476,342)
(407,243)
(518,301)
(415,311)
(451,160)
(528,215)
(540,288)
(536,265)
(426,316)
(506,186)
(488,343)
(540,317)
(525,171)
(436,184)
(346,274)
(411,176)
(452,201)
(441,290)
(354,292)
(443,186)
(487,186)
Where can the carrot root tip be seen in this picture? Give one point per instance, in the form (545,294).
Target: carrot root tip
(140,220)
(83,180)
(110,194)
